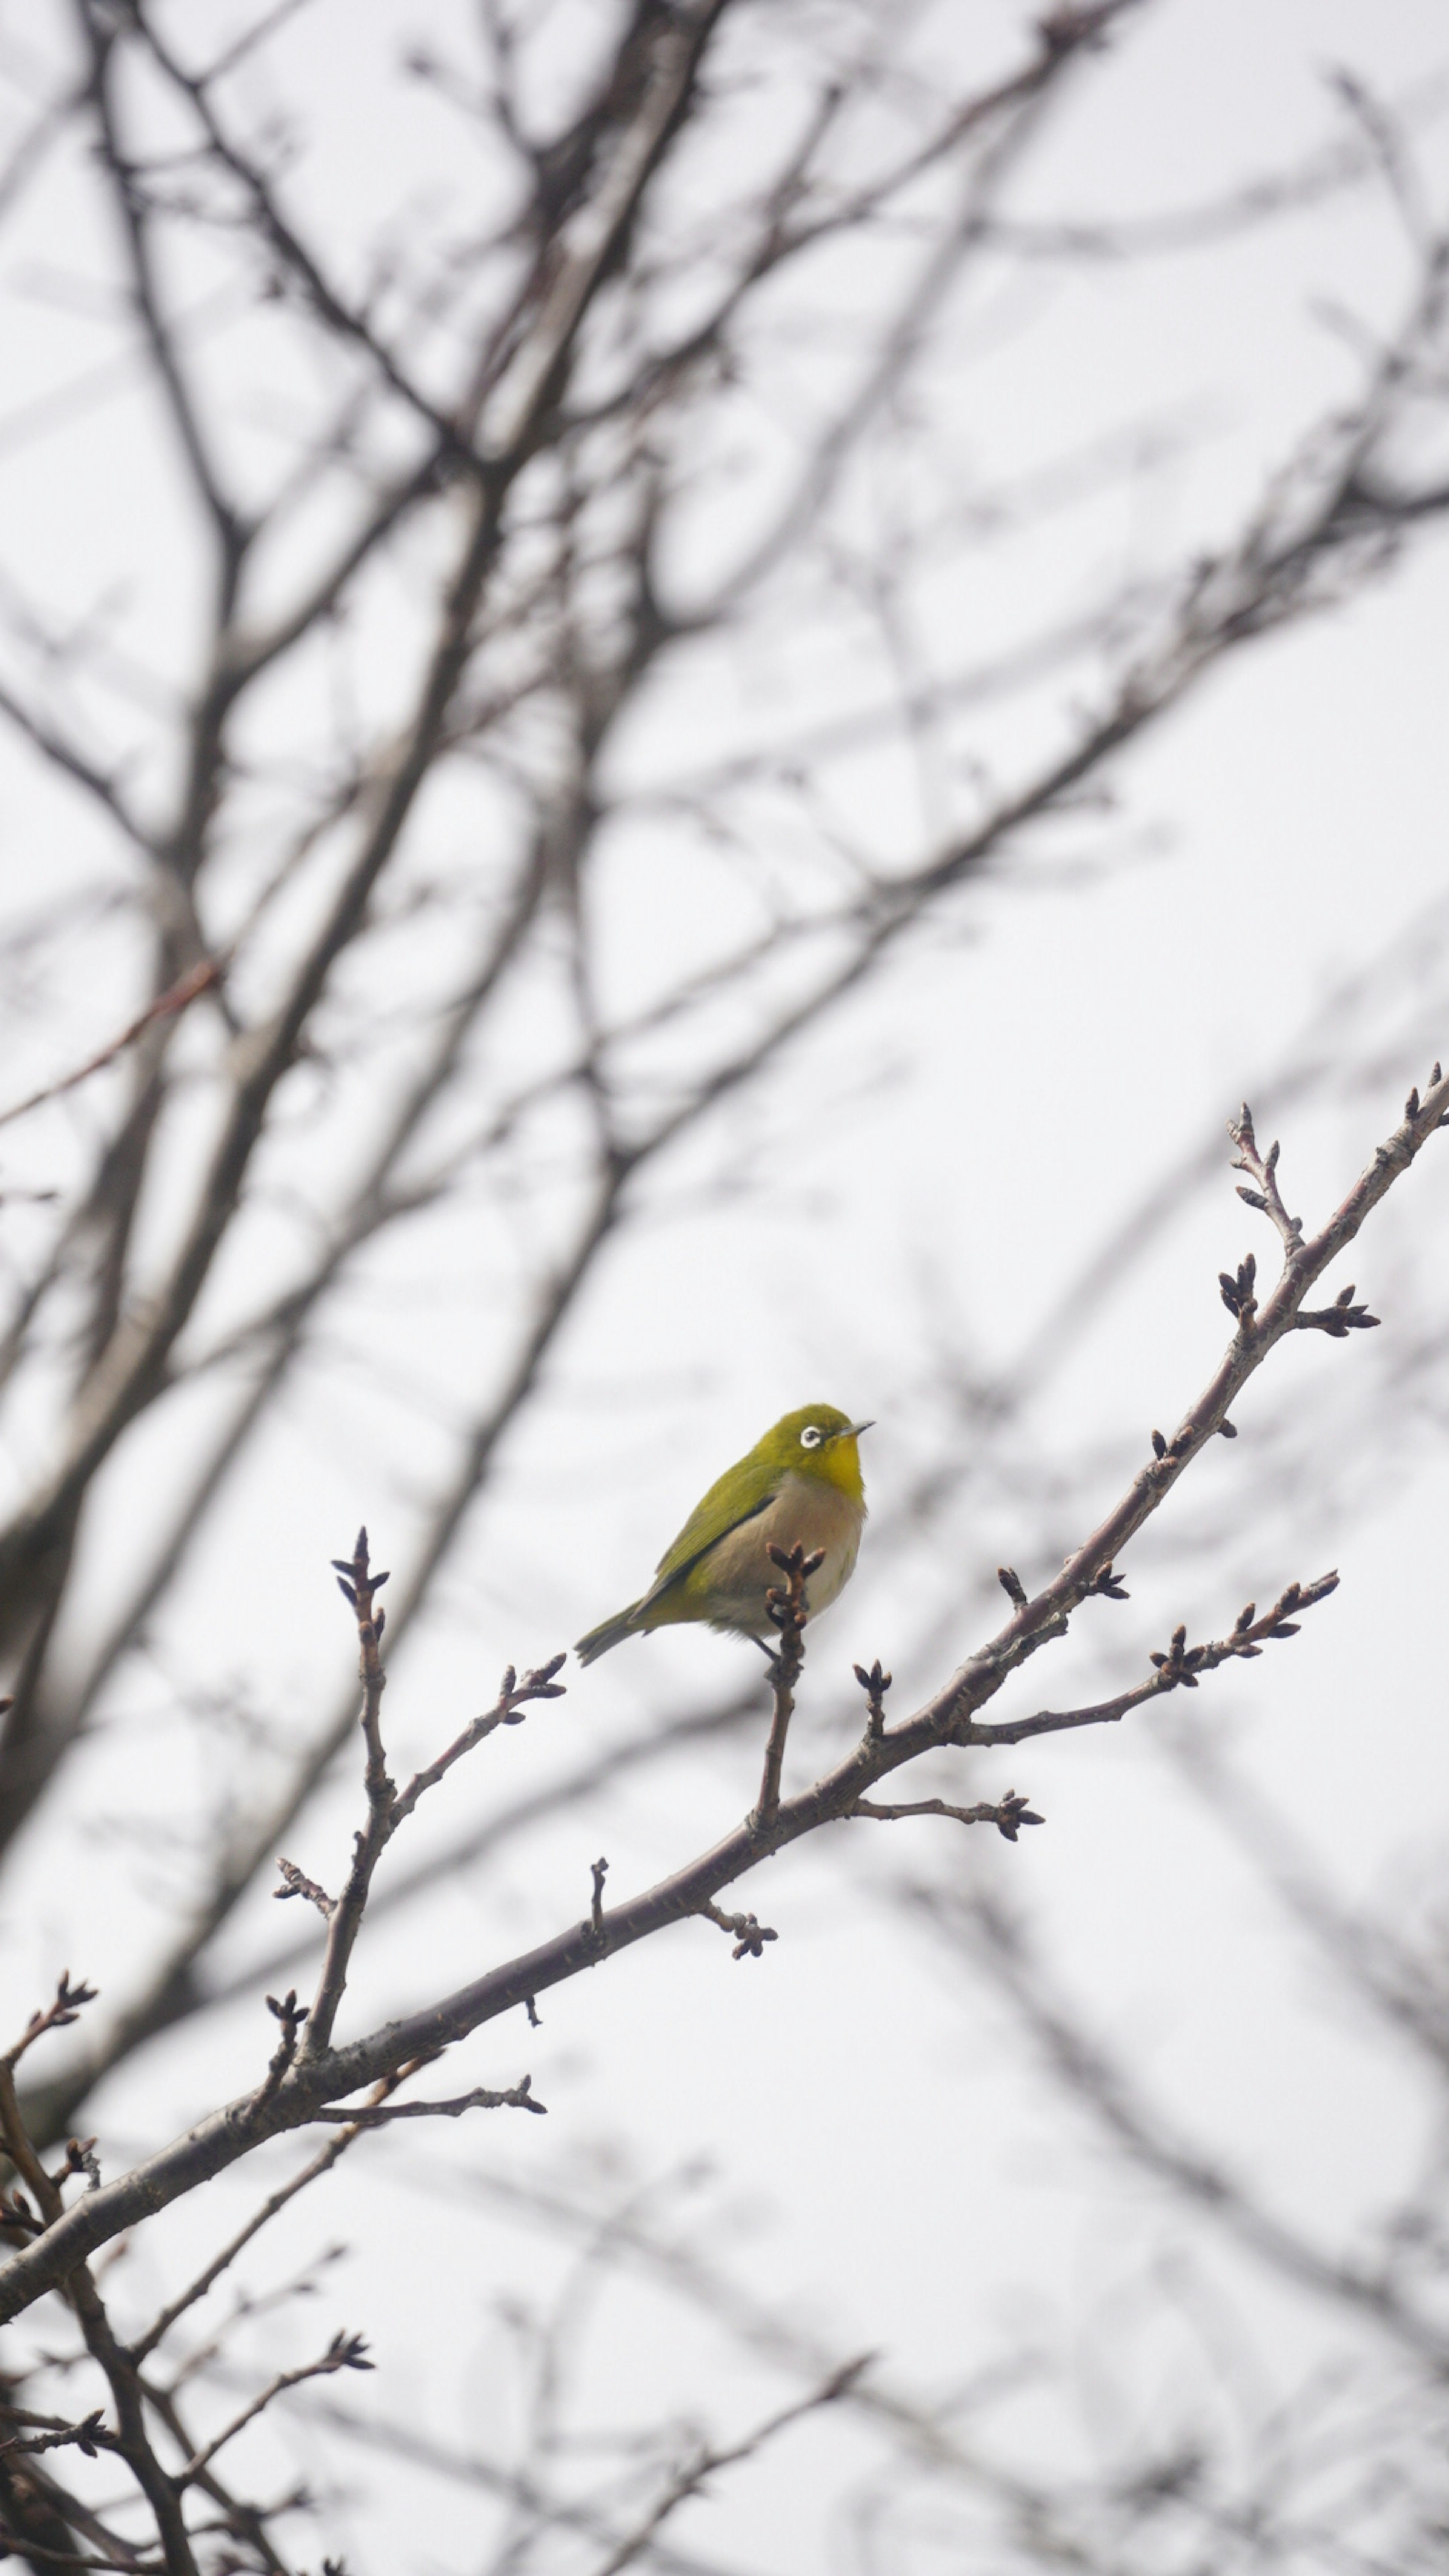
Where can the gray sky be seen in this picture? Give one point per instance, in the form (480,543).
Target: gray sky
(886,2160)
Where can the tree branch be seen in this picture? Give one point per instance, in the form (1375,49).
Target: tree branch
(516,2097)
(168,1005)
(311,2172)
(949,1717)
(345,2352)
(707,2462)
(788,1611)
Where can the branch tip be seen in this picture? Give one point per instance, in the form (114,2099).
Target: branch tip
(787,1609)
(65,2007)
(1007,1814)
(1264,1195)
(1237,1292)
(747,1932)
(875,1684)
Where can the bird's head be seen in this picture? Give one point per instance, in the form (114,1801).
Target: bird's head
(818,1441)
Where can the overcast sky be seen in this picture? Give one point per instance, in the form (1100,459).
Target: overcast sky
(940,1161)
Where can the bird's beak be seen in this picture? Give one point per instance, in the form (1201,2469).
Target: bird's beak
(856,1429)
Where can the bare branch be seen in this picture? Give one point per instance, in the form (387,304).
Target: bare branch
(66,2007)
(358,1584)
(311,2172)
(89,2438)
(788,1611)
(168,1005)
(386,1809)
(516,2097)
(708,2462)
(1008,1814)
(345,2352)
(297,1883)
(948,1717)
(1092,2076)
(297,257)
(1179,1668)
(67,756)
(747,1932)
(509,1709)
(232,536)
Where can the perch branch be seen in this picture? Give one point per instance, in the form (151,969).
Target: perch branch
(788,1611)
(949,1716)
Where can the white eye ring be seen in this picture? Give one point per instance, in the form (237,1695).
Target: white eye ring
(810,1437)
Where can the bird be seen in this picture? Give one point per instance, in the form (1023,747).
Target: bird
(799,1486)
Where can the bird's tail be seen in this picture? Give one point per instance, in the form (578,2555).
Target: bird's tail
(611,1632)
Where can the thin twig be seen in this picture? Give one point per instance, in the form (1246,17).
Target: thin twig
(1180,1667)
(65,2007)
(1007,1814)
(359,1585)
(295,1882)
(518,2097)
(291,2015)
(167,1005)
(788,1611)
(509,1709)
(89,2438)
(708,2462)
(1263,1170)
(20,2545)
(747,1932)
(345,2352)
(386,1808)
(1088,2068)
(311,2172)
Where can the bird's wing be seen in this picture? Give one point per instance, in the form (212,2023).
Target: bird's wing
(724,1508)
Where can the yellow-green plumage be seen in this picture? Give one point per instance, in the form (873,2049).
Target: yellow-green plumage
(800,1485)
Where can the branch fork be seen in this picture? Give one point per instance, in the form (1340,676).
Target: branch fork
(1262,1170)
(1178,1668)
(1343,1316)
(387,1807)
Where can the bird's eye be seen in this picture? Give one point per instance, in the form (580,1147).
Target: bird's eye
(811,1437)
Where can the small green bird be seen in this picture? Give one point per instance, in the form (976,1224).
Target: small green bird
(799,1486)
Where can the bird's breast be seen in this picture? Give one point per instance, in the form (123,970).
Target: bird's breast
(806,1512)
